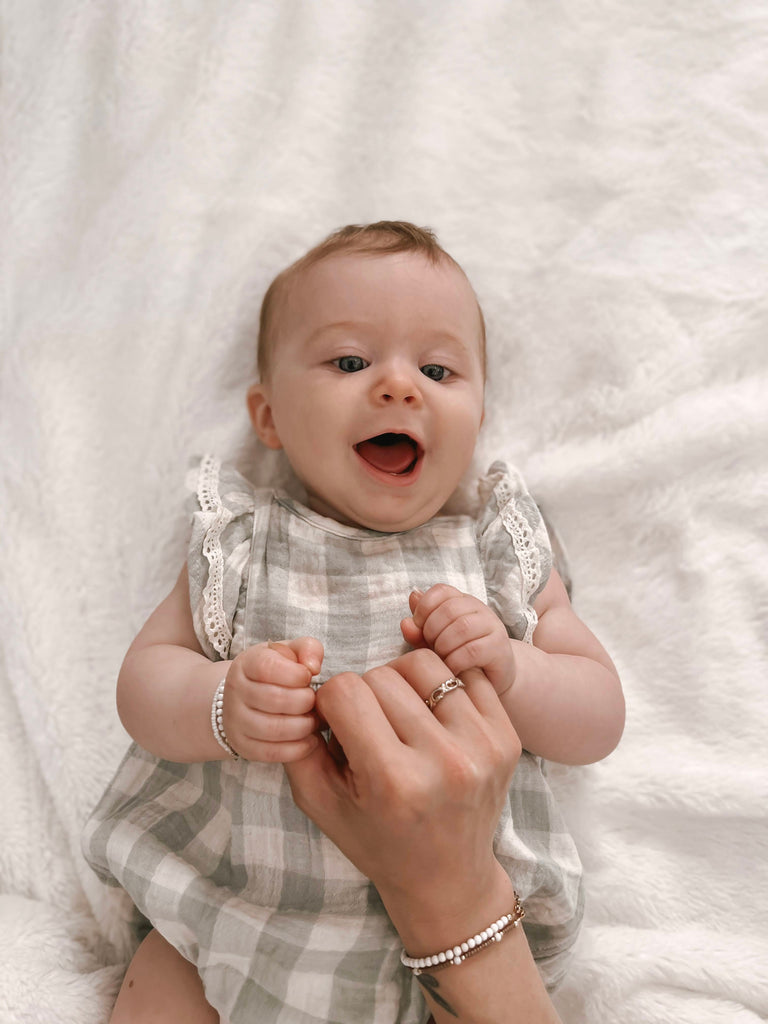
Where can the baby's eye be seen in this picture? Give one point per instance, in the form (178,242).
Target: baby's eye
(350,364)
(435,372)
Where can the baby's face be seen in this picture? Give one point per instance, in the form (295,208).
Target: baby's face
(376,387)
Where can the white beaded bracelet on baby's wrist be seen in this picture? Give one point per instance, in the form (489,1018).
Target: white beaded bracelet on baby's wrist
(217,721)
(456,954)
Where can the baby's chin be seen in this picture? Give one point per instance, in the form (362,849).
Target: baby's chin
(383,516)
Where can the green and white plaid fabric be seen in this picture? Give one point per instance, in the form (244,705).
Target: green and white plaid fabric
(282,927)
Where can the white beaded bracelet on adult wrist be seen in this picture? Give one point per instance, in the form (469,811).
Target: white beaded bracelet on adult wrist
(456,954)
(217,721)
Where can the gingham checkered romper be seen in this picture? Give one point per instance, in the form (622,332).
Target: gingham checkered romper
(282,927)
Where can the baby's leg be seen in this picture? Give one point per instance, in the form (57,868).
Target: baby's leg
(159,986)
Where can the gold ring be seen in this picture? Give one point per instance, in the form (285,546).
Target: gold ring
(442,690)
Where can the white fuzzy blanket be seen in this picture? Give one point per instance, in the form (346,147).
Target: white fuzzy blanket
(601,171)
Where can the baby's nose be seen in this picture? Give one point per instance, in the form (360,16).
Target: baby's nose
(398,384)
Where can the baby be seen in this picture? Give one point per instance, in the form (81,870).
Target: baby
(371,378)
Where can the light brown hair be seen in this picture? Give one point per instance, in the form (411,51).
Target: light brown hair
(384,237)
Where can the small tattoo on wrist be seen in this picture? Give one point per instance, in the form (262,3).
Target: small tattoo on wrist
(430,983)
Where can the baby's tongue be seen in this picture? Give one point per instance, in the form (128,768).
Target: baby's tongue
(391,453)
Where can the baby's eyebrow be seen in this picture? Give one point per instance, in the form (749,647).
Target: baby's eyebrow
(455,346)
(437,337)
(337,327)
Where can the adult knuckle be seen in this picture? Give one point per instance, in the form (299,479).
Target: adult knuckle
(388,788)
(404,796)
(503,753)
(461,771)
(498,754)
(409,809)
(335,690)
(342,685)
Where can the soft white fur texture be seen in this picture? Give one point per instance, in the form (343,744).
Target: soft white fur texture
(600,169)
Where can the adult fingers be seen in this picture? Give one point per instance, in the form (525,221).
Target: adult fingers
(458,707)
(314,781)
(466,746)
(425,672)
(325,789)
(358,721)
(406,712)
(504,743)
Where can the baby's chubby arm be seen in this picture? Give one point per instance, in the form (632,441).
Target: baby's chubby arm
(166,685)
(562,693)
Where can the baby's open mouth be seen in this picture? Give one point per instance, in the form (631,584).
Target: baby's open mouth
(390,453)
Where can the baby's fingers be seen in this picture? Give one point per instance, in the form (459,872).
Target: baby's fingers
(274,663)
(281,700)
(279,753)
(412,634)
(424,605)
(265,728)
(309,651)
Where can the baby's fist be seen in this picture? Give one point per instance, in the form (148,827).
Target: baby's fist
(269,703)
(463,630)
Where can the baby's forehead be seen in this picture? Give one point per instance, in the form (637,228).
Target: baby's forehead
(344,259)
(371,267)
(350,277)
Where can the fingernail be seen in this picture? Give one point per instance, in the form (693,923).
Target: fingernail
(417,593)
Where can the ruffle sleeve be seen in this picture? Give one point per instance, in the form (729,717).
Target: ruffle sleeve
(222,505)
(514,549)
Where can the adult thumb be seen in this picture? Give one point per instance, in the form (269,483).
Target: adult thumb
(311,781)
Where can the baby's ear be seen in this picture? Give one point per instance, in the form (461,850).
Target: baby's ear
(260,412)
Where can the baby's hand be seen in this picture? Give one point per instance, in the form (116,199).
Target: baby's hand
(463,631)
(268,702)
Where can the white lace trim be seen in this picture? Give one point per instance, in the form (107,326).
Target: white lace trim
(214,619)
(526,550)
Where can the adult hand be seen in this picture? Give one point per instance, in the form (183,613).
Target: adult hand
(412,798)
(415,798)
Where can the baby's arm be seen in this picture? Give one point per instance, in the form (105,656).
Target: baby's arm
(166,685)
(562,693)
